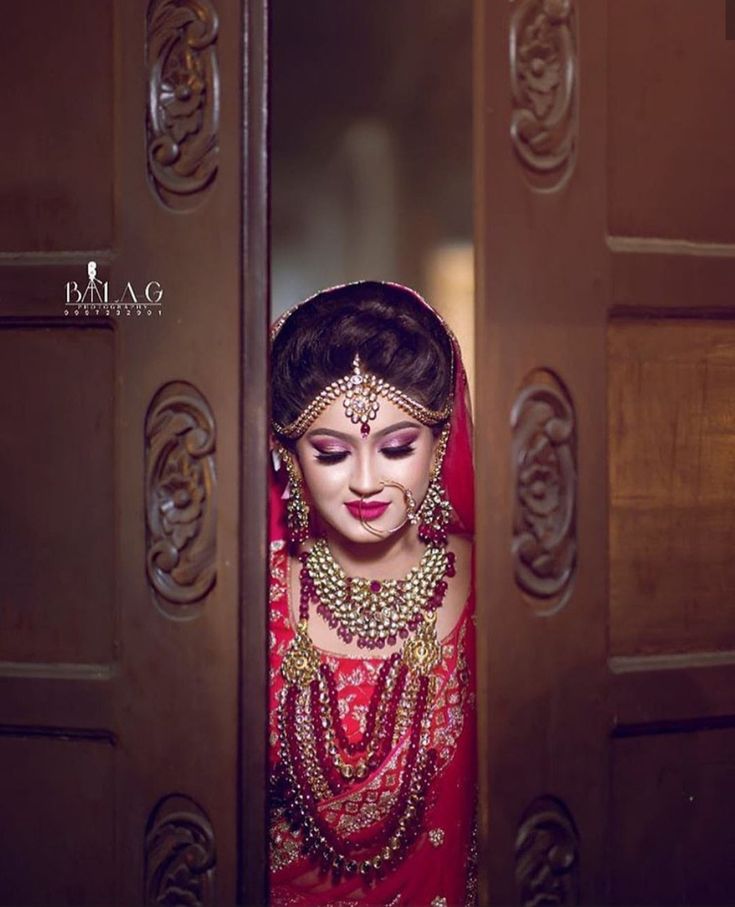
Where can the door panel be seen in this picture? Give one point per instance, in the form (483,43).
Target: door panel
(62,381)
(673,797)
(672,483)
(605,261)
(122,611)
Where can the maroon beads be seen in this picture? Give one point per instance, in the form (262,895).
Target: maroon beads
(309,594)
(319,760)
(315,709)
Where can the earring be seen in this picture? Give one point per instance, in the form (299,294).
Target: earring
(297,510)
(435,511)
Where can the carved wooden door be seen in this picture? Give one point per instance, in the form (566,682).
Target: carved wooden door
(605,430)
(132,348)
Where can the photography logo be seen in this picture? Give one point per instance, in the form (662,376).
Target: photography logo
(95,297)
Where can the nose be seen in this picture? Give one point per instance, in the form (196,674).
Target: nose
(364,480)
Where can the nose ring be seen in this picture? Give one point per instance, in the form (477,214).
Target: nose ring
(411,511)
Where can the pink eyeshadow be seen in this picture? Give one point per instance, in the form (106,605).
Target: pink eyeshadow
(329,448)
(399,440)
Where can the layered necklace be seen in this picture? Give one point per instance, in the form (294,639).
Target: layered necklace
(373,612)
(317,759)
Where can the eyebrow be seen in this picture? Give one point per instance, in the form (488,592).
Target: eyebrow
(346,437)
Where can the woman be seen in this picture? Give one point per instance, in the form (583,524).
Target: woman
(372,729)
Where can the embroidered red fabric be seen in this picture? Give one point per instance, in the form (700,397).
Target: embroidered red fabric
(439,868)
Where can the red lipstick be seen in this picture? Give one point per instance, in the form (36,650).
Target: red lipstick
(367,510)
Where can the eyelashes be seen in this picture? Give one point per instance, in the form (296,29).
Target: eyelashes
(397,453)
(393,453)
(330,457)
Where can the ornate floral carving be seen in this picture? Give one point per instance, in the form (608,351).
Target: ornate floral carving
(547,855)
(183,99)
(543,65)
(180,497)
(180,855)
(544,456)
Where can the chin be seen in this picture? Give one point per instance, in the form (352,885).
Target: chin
(353,532)
(357,534)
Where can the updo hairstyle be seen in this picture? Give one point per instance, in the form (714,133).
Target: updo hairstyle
(397,338)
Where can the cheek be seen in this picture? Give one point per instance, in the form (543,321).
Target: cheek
(412,472)
(323,483)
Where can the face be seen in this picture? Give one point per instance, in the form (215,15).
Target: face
(343,471)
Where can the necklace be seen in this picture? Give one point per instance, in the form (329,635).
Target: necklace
(317,758)
(374,612)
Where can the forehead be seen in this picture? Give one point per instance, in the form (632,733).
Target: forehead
(334,418)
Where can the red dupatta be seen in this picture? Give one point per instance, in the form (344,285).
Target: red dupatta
(438,869)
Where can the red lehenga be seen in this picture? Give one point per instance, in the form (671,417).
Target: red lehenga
(439,868)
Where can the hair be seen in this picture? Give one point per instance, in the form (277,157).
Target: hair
(397,337)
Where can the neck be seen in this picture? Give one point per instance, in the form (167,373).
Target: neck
(389,558)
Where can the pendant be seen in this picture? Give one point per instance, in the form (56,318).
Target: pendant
(422,653)
(301,662)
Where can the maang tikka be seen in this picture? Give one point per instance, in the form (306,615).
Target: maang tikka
(361,391)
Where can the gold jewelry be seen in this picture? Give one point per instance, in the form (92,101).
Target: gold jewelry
(422,653)
(361,391)
(435,511)
(411,512)
(297,509)
(301,662)
(375,610)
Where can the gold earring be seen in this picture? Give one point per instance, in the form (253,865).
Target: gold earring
(297,509)
(435,510)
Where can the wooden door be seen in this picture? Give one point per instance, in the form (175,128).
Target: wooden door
(605,430)
(132,350)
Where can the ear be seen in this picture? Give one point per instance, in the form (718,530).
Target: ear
(435,442)
(296,464)
(290,459)
(285,457)
(438,449)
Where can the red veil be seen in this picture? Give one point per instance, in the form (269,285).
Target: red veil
(439,869)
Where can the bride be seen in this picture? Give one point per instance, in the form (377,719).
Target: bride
(372,677)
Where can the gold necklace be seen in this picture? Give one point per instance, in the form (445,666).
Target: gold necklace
(373,612)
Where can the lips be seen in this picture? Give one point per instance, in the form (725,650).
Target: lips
(368,510)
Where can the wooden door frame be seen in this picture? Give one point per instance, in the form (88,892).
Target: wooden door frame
(252,883)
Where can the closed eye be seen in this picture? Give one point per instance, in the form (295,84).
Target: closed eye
(395,453)
(335,457)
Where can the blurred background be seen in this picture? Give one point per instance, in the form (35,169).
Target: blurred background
(371,136)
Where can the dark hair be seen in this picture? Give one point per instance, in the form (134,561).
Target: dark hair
(397,338)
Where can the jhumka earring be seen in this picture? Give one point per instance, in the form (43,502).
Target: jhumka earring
(435,511)
(297,509)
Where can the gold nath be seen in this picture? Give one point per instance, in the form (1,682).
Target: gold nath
(361,391)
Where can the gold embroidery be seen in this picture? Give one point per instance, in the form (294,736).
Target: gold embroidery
(284,848)
(451,706)
(439,902)
(436,836)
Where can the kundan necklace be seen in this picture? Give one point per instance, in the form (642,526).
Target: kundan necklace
(317,759)
(374,612)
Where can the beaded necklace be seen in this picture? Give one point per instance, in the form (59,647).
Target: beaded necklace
(317,759)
